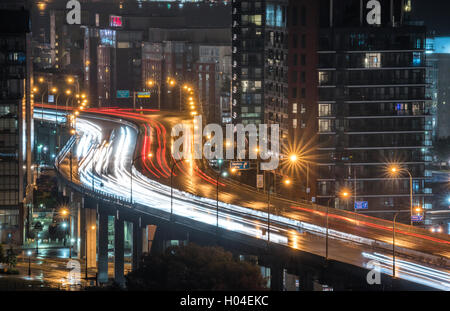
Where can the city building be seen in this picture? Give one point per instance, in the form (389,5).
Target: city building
(259,61)
(438,60)
(372,108)
(260,72)
(16,126)
(302,95)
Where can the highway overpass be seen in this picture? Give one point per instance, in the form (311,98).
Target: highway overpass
(98,160)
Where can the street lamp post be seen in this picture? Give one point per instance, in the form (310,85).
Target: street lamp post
(57,138)
(326,235)
(268,214)
(29,263)
(395,170)
(70,236)
(344,194)
(217,195)
(393,245)
(37,244)
(66,212)
(71,162)
(294,159)
(182,87)
(42,103)
(269,189)
(173,82)
(85,254)
(93,175)
(151,83)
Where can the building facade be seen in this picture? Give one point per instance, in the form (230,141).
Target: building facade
(16,126)
(372,107)
(438,59)
(303,28)
(259,61)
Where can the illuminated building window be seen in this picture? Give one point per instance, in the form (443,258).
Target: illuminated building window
(294,108)
(323,77)
(372,60)
(417,59)
(324,126)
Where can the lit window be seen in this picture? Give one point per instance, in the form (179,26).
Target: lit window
(372,60)
(323,77)
(294,123)
(294,108)
(417,59)
(325,126)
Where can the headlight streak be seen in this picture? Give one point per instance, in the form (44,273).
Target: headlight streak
(49,115)
(412,271)
(157,195)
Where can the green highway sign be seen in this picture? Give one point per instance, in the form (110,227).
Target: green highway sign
(123,94)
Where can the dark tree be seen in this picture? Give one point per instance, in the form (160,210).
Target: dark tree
(11,258)
(2,254)
(194,267)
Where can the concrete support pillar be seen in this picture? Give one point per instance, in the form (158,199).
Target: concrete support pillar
(159,238)
(81,237)
(102,248)
(148,235)
(91,238)
(307,282)
(276,278)
(118,250)
(137,245)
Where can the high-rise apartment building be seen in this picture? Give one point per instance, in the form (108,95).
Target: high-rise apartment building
(16,126)
(438,66)
(372,107)
(303,28)
(259,61)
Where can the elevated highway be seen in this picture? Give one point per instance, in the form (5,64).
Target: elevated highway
(99,159)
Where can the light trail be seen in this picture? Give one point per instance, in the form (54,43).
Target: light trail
(95,157)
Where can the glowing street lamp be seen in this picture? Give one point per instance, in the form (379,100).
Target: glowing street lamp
(172,82)
(345,194)
(151,83)
(293,158)
(394,170)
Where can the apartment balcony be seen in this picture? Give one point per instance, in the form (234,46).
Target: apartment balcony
(384,82)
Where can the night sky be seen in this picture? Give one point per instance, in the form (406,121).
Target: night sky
(435,14)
